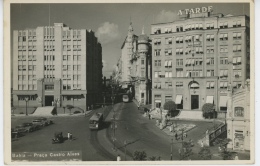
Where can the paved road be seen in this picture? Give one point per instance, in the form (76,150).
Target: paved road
(142,134)
(85,139)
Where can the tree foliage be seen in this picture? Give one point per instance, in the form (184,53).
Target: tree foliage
(208,109)
(171,107)
(224,153)
(205,153)
(69,107)
(139,156)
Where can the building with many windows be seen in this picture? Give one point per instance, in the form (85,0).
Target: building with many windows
(56,65)
(197,58)
(134,66)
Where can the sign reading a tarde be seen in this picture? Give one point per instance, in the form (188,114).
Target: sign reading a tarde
(195,10)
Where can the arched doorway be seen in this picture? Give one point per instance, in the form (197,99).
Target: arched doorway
(193,86)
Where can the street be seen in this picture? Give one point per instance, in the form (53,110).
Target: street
(85,140)
(138,132)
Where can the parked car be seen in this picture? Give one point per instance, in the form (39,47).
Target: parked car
(38,122)
(46,121)
(20,129)
(30,127)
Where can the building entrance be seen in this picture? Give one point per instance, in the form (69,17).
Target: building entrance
(49,100)
(194,102)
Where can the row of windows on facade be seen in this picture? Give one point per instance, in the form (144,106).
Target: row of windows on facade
(68,77)
(23,77)
(197,50)
(223,73)
(68,57)
(30,67)
(27,87)
(64,97)
(197,62)
(30,33)
(68,87)
(30,58)
(196,26)
(209,85)
(209,37)
(68,67)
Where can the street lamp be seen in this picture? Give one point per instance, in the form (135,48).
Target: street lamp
(26,100)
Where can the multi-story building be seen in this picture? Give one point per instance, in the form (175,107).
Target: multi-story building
(135,66)
(56,64)
(197,58)
(238,118)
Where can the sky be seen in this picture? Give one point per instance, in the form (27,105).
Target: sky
(109,21)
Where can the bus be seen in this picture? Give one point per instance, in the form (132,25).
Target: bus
(126,98)
(95,122)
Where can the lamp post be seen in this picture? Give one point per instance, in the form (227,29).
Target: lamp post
(26,100)
(171,147)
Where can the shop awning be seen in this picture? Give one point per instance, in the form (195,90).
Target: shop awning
(223,101)
(221,24)
(201,26)
(225,24)
(208,36)
(210,99)
(225,85)
(178,99)
(212,36)
(177,39)
(157,101)
(234,35)
(221,73)
(192,61)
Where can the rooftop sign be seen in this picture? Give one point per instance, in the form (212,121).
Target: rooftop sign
(195,10)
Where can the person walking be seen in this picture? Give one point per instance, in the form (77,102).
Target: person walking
(118,158)
(68,135)
(176,136)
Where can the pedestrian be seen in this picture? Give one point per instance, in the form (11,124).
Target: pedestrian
(176,136)
(202,144)
(118,158)
(149,115)
(68,135)
(185,135)
(236,157)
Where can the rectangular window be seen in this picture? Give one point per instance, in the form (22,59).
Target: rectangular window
(179,84)
(239,112)
(236,48)
(168,40)
(156,74)
(179,72)
(157,52)
(237,35)
(223,37)
(223,61)
(49,87)
(157,41)
(142,61)
(210,73)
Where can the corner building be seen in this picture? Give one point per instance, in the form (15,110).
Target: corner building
(56,64)
(135,65)
(197,59)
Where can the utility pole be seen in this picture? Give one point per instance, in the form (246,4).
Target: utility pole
(171,148)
